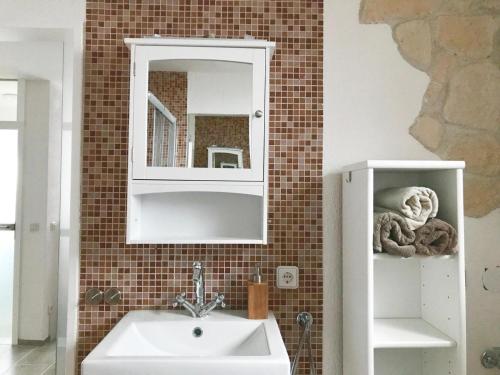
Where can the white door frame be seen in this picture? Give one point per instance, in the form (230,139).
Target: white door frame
(19,126)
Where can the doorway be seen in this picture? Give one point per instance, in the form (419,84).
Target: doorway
(31,76)
(9,164)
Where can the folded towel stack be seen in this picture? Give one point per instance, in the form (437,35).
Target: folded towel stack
(436,238)
(392,234)
(404,223)
(415,204)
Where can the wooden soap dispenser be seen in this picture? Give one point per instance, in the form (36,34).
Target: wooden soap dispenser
(258,301)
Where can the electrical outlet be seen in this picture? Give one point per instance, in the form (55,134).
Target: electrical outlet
(287,277)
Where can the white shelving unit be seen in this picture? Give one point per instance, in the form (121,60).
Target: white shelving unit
(402,316)
(408,333)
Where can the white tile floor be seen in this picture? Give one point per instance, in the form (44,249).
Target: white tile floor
(28,359)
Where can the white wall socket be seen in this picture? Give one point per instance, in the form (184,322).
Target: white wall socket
(287,277)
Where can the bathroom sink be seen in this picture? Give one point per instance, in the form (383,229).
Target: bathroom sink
(174,343)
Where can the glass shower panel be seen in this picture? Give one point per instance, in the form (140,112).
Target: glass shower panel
(8,189)
(162,128)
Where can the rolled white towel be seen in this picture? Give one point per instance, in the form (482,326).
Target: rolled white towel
(416,204)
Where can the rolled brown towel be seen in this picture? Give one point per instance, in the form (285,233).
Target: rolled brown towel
(436,237)
(391,234)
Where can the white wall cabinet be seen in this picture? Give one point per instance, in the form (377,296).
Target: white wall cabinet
(402,316)
(208,94)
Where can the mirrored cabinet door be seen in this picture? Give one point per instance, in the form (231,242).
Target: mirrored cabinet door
(198,113)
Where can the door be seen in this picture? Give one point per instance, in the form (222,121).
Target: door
(216,98)
(9,170)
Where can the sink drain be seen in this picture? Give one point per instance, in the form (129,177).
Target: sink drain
(197,332)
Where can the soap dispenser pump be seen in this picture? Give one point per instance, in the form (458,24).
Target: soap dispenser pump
(258,296)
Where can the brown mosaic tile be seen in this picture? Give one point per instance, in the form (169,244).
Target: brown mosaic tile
(148,275)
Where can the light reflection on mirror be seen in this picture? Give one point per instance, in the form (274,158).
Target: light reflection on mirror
(199,114)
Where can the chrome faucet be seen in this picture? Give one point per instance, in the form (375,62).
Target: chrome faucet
(199,283)
(199,309)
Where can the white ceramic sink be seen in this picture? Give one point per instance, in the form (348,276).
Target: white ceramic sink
(161,342)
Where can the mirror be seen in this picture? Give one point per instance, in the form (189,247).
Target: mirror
(199,114)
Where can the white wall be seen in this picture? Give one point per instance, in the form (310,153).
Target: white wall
(372,96)
(60,20)
(219,93)
(35,295)
(46,14)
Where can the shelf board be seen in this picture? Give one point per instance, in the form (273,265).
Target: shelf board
(409,333)
(144,187)
(200,42)
(385,256)
(193,241)
(405,165)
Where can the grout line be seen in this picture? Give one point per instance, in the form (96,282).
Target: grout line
(23,357)
(14,364)
(18,362)
(48,368)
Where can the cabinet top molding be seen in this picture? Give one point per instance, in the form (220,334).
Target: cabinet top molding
(200,42)
(405,164)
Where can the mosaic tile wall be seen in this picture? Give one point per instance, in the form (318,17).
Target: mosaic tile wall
(150,276)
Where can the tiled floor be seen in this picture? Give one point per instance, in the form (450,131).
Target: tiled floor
(28,359)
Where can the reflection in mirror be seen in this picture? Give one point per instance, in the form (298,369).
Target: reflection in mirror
(199,114)
(219,139)
(167,119)
(162,129)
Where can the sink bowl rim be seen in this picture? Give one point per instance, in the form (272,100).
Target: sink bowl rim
(278,353)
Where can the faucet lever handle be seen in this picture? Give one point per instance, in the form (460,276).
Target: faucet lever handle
(219,299)
(179,299)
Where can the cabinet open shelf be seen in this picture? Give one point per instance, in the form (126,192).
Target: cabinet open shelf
(408,333)
(402,315)
(196,217)
(389,257)
(208,240)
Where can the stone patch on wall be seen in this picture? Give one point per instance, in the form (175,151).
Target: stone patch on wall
(466,36)
(393,11)
(474,97)
(457,43)
(415,42)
